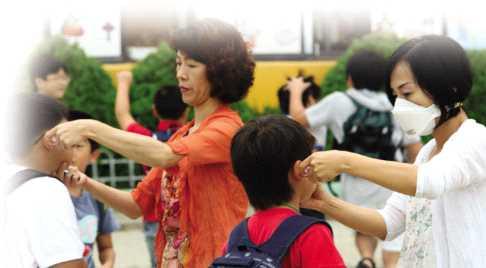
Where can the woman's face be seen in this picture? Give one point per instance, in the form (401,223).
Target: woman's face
(193,82)
(402,81)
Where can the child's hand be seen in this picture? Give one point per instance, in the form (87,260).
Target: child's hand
(73,179)
(297,85)
(125,78)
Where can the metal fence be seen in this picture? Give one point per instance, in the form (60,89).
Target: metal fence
(107,158)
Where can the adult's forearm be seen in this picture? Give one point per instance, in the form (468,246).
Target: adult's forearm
(117,199)
(361,219)
(396,176)
(141,149)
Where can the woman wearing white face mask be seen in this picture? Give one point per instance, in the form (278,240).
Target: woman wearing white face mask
(440,202)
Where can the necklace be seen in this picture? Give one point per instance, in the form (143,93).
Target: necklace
(296,209)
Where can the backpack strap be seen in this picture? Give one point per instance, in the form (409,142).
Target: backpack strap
(22,177)
(281,240)
(357,104)
(239,237)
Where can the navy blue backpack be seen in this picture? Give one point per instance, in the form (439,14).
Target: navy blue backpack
(241,252)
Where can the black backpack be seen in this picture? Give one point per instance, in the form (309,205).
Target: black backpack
(241,252)
(369,133)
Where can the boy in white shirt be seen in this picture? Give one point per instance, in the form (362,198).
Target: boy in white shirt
(39,225)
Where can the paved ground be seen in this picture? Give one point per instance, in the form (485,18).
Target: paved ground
(132,253)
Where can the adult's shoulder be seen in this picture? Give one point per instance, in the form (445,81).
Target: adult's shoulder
(226,116)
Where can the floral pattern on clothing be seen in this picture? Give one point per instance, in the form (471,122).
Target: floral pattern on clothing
(418,243)
(177,241)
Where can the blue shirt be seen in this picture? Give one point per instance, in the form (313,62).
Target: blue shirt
(93,219)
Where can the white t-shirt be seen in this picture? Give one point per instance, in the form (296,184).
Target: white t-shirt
(39,227)
(455,183)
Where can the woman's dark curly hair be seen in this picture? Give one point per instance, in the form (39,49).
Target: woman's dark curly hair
(219,45)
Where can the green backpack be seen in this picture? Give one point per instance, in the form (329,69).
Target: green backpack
(368,132)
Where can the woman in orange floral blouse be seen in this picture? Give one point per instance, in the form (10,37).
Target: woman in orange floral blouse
(191,188)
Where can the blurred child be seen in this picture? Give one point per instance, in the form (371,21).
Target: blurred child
(39,227)
(49,76)
(96,222)
(309,97)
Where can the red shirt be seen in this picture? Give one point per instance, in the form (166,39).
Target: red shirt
(163,125)
(313,248)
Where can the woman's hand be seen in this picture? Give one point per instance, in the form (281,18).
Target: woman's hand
(74,179)
(318,198)
(70,133)
(325,166)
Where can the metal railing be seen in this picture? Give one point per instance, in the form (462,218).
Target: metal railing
(107,158)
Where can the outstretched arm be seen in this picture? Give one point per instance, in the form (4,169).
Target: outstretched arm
(396,176)
(120,200)
(364,220)
(142,149)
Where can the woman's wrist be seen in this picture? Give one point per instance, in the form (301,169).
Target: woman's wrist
(91,128)
(345,159)
(89,185)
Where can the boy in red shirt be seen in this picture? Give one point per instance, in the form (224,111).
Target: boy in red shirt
(266,154)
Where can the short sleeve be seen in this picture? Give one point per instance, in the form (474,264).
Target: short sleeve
(145,194)
(394,215)
(410,139)
(315,248)
(108,222)
(51,214)
(210,145)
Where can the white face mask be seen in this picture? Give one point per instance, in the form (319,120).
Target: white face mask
(415,119)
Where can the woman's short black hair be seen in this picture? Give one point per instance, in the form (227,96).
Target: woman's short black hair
(263,153)
(221,48)
(440,67)
(366,68)
(32,115)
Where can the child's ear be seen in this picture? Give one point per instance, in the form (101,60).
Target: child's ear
(95,155)
(154,112)
(297,171)
(349,82)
